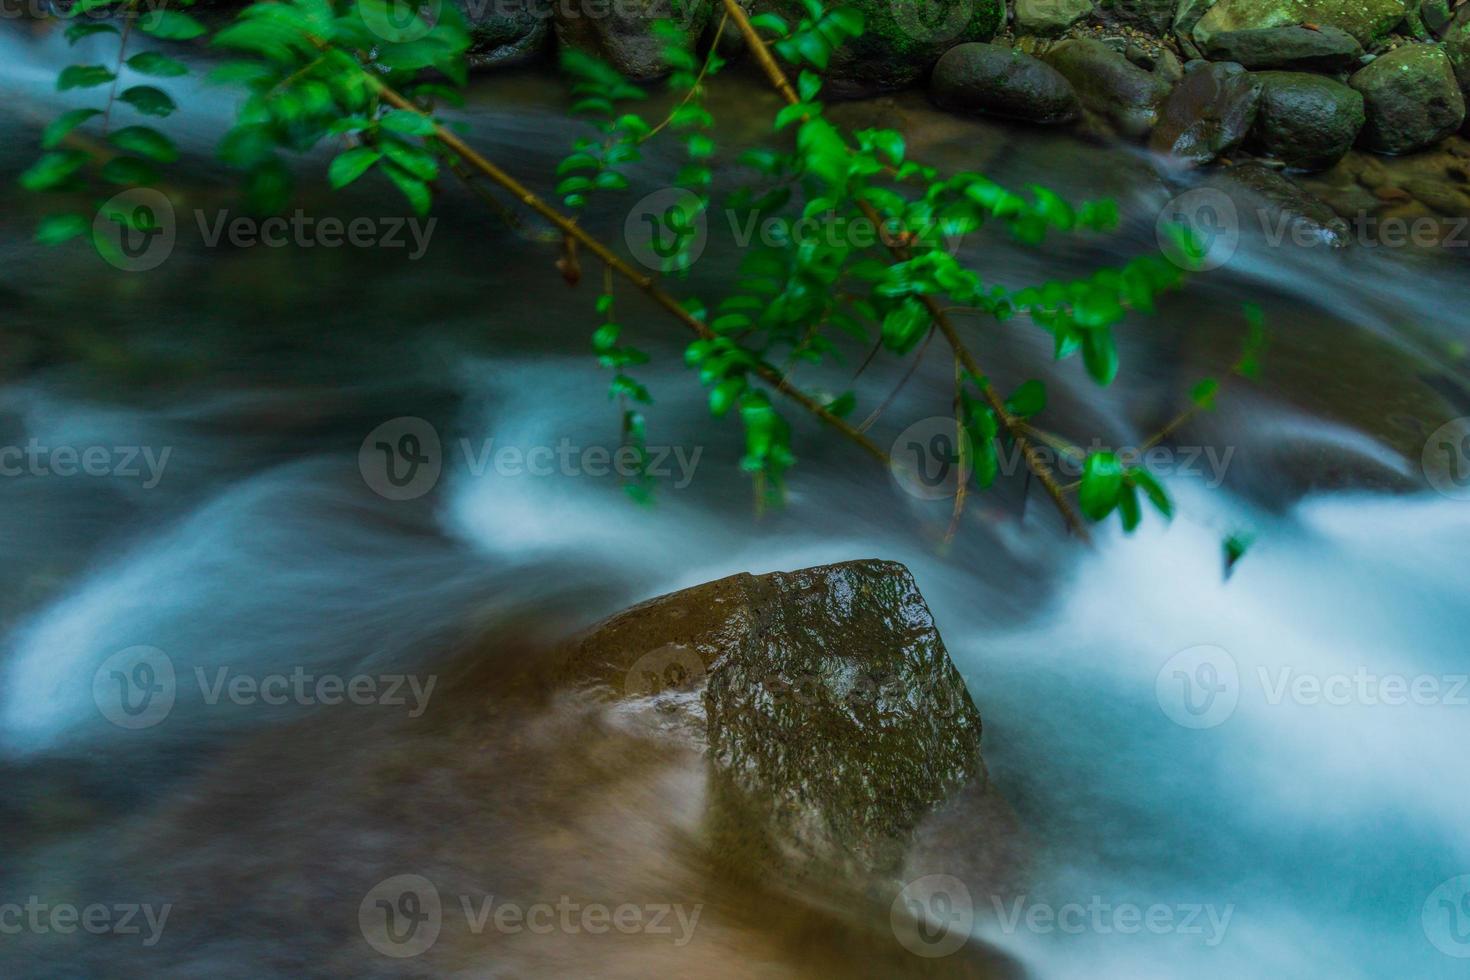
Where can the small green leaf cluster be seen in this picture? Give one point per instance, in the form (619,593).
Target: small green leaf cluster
(129,156)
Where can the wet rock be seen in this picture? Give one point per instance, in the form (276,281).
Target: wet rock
(1287,213)
(1152,16)
(900,42)
(987,79)
(1365,20)
(1457,47)
(1305,120)
(1109,85)
(506,34)
(1186,16)
(1412,97)
(1329,49)
(828,708)
(1050,17)
(622,33)
(1439,195)
(1209,112)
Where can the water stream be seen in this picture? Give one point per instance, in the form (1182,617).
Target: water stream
(1308,836)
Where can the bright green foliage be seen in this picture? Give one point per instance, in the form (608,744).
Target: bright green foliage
(859,241)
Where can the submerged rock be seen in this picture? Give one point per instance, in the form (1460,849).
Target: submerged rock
(1412,97)
(1288,213)
(1209,112)
(1365,20)
(1307,121)
(987,79)
(623,34)
(832,717)
(1327,49)
(1110,85)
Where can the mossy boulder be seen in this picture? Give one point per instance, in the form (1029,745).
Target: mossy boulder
(1413,99)
(506,34)
(826,704)
(901,41)
(1307,121)
(1209,112)
(991,80)
(1365,20)
(1110,85)
(622,33)
(1046,18)
(1457,47)
(1326,49)
(1151,16)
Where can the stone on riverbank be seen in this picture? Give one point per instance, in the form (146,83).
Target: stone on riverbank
(987,79)
(901,41)
(1412,97)
(1209,112)
(1307,121)
(504,35)
(1365,20)
(622,33)
(1110,85)
(1328,49)
(1046,18)
(828,707)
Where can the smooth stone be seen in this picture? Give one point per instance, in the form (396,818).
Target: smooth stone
(990,80)
(1307,121)
(1413,99)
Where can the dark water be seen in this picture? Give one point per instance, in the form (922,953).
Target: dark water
(1297,836)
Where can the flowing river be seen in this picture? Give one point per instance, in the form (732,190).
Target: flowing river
(1294,816)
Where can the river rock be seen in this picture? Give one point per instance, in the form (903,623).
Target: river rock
(505,34)
(824,699)
(1151,16)
(1365,20)
(622,33)
(1110,85)
(1286,211)
(987,79)
(1050,17)
(1412,98)
(1186,15)
(901,41)
(1306,120)
(1457,47)
(1328,49)
(1209,112)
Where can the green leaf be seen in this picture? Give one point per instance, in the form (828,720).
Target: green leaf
(145,142)
(82,76)
(412,187)
(1128,507)
(129,171)
(1027,400)
(814,48)
(1102,481)
(904,326)
(148,100)
(408,123)
(1152,489)
(351,165)
(1203,394)
(52,170)
(57,228)
(64,124)
(723,395)
(171,25)
(808,85)
(77,31)
(413,159)
(157,65)
(770,23)
(1099,355)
